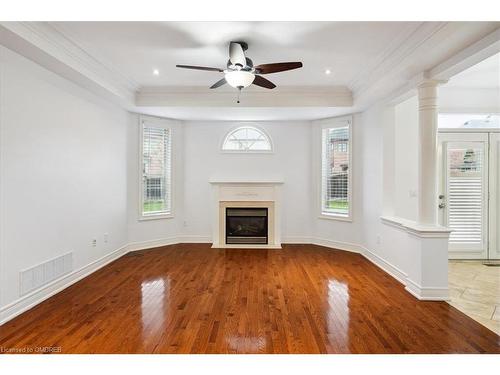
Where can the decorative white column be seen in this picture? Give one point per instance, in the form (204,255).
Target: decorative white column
(427,123)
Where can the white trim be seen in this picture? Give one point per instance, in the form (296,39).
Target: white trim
(247,125)
(476,250)
(339,245)
(51,48)
(464,59)
(281,96)
(32,299)
(384,265)
(194,239)
(465,131)
(297,240)
(406,45)
(494,196)
(151,244)
(427,293)
(329,123)
(467,57)
(158,216)
(413,228)
(167,241)
(334,217)
(162,124)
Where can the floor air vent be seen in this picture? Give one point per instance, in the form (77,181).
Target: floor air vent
(39,275)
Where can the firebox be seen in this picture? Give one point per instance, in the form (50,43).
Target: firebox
(246,225)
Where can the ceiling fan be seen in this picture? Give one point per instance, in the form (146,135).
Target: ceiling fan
(241,72)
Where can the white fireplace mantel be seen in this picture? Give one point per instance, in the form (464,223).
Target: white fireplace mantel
(246,193)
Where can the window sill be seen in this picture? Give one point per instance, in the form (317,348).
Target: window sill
(155,217)
(335,217)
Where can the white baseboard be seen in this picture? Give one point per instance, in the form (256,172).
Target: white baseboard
(32,299)
(346,246)
(296,240)
(389,268)
(194,239)
(150,244)
(427,293)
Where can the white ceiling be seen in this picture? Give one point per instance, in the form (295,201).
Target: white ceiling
(372,59)
(136,48)
(486,74)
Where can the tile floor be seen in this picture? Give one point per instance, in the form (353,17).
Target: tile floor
(475,290)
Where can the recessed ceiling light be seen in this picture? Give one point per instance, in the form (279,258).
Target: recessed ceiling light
(328,71)
(156,72)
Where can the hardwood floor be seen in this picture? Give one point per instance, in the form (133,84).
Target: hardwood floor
(190,298)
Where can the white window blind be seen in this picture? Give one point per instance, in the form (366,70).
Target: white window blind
(335,170)
(247,138)
(156,170)
(465,200)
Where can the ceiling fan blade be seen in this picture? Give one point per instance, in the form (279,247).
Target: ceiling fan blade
(263,82)
(199,68)
(277,67)
(236,54)
(219,83)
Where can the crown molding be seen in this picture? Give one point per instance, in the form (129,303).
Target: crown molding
(403,47)
(285,96)
(468,57)
(465,58)
(52,49)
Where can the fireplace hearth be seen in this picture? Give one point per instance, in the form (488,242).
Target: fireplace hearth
(247,225)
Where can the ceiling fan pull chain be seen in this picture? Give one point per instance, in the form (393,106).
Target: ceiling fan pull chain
(239,93)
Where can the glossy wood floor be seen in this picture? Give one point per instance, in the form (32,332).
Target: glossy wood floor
(193,299)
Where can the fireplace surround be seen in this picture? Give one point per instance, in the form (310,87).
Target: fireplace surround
(242,198)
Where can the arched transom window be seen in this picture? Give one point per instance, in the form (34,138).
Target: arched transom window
(247,138)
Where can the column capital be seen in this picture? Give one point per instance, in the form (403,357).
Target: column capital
(427,94)
(428,82)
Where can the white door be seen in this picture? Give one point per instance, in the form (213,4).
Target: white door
(464,193)
(494,247)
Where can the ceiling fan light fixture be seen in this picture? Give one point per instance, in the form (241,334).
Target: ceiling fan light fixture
(239,78)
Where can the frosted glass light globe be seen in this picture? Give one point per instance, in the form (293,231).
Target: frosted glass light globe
(239,78)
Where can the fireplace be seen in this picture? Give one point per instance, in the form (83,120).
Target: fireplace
(247,225)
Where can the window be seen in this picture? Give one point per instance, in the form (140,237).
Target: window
(335,169)
(156,170)
(469,121)
(247,139)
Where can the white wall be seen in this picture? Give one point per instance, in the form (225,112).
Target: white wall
(388,245)
(62,172)
(144,233)
(469,100)
(406,159)
(290,161)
